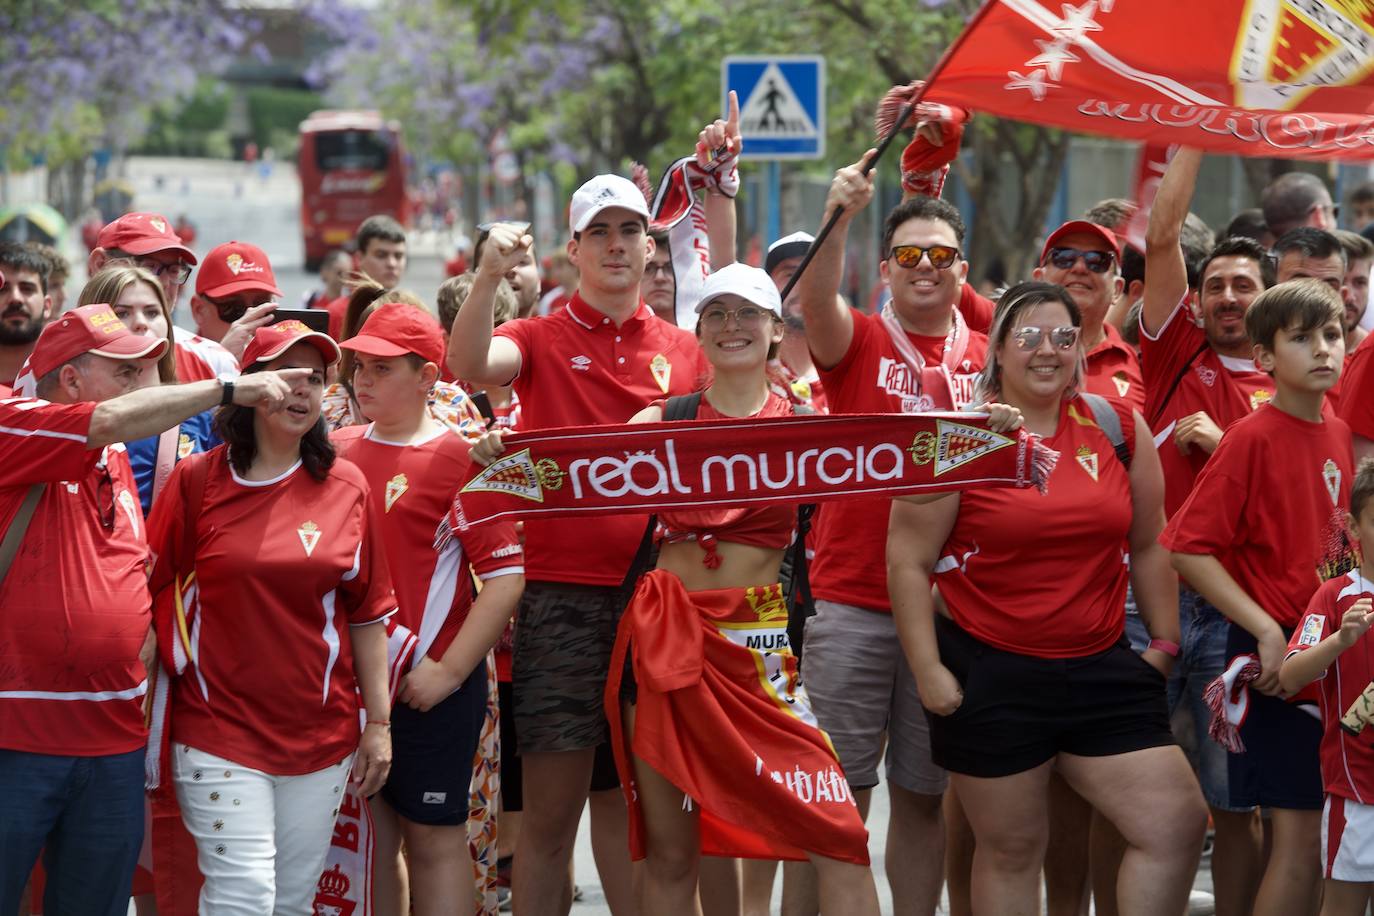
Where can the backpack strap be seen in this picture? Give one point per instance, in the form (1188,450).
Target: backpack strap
(165,459)
(682,406)
(1173,386)
(19,526)
(1109,421)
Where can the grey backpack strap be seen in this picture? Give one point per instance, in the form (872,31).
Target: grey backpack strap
(682,406)
(9,547)
(1109,421)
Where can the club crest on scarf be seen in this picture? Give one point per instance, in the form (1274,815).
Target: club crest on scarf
(954,444)
(518,475)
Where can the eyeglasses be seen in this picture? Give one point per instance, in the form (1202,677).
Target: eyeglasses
(1099,262)
(658,267)
(105,497)
(941,256)
(179,272)
(1029,338)
(747,317)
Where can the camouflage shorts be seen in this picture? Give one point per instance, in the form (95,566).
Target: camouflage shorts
(563,639)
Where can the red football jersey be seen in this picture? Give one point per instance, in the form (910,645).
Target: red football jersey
(1271,505)
(1357,380)
(198,358)
(578,369)
(851,535)
(1113,370)
(1066,597)
(1224,387)
(1347,760)
(74,608)
(412,491)
(281,567)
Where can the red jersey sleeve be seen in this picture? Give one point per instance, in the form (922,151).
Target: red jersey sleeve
(1356,406)
(976,309)
(1163,355)
(1208,521)
(863,326)
(44,442)
(521,333)
(493,550)
(366,589)
(1318,622)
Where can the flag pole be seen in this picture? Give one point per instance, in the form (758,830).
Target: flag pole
(887,140)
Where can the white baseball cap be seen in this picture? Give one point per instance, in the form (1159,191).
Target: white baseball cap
(789,246)
(601,192)
(749,283)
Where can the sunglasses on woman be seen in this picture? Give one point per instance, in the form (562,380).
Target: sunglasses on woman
(1029,338)
(1096,261)
(941,256)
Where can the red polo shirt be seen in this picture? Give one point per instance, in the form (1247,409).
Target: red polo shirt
(577,368)
(1113,371)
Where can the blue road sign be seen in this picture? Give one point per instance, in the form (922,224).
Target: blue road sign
(782,104)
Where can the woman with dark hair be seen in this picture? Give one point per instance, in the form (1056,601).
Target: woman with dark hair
(268,578)
(1025,670)
(138,299)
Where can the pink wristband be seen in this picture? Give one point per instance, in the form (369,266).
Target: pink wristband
(1163,645)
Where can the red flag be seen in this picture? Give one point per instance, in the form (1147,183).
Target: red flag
(1260,77)
(1149,172)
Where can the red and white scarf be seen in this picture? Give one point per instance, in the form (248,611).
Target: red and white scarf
(936,382)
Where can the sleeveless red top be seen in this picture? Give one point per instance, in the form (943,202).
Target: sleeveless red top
(771,526)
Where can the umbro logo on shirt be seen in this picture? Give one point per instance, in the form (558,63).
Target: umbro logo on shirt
(434,798)
(581,363)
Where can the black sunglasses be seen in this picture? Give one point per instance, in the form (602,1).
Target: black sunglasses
(1099,262)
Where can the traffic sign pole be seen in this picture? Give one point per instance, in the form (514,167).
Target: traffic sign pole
(774,230)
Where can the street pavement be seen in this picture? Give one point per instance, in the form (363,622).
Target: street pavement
(228,201)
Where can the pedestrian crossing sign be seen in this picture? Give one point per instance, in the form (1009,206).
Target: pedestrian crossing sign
(782,104)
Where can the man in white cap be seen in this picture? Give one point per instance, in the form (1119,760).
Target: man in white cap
(599,360)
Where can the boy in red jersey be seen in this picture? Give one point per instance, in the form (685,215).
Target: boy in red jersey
(1337,619)
(415,466)
(1262,529)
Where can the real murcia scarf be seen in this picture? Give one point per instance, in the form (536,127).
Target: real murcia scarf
(646,467)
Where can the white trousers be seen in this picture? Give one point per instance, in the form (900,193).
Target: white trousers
(261,840)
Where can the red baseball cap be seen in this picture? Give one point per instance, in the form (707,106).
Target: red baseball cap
(396,329)
(90,329)
(234,267)
(143,233)
(275,339)
(1076,226)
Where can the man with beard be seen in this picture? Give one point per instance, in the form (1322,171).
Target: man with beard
(25,306)
(1359,260)
(1198,380)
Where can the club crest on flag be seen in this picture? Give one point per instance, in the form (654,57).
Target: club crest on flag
(519,475)
(309,534)
(766,602)
(662,370)
(394,488)
(331,894)
(954,444)
(1331,476)
(1287,49)
(1088,460)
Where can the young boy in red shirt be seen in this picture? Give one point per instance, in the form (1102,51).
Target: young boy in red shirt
(1262,529)
(415,465)
(1337,619)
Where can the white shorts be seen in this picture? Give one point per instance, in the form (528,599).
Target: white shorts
(1347,840)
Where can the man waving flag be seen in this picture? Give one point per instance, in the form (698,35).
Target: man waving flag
(1261,77)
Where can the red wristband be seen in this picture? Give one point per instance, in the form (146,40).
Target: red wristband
(1163,645)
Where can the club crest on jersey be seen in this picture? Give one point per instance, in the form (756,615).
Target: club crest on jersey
(394,488)
(1088,461)
(1331,476)
(1123,385)
(518,475)
(953,445)
(185,446)
(309,534)
(662,370)
(1259,398)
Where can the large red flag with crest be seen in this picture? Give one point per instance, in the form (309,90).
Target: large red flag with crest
(1260,77)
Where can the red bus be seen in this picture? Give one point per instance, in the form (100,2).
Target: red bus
(351,165)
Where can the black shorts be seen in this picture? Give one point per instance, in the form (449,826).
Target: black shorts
(1020,711)
(604,775)
(1281,766)
(432,755)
